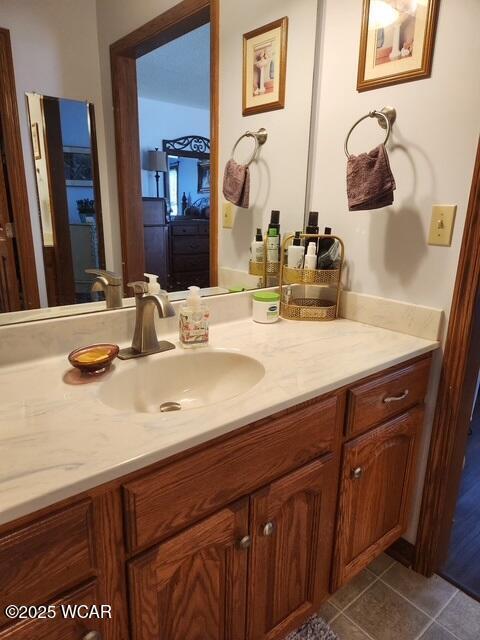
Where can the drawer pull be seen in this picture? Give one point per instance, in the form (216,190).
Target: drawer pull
(390,399)
(245,542)
(92,635)
(268,529)
(357,473)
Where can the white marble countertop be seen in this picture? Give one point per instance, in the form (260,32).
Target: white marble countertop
(58,439)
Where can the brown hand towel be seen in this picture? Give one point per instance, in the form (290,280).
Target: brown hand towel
(236,184)
(370,182)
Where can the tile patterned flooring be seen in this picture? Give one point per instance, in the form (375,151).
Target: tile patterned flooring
(389,602)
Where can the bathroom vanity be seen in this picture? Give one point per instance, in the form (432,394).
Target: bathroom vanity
(244,534)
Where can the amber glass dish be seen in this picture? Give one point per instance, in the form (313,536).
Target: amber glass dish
(94,359)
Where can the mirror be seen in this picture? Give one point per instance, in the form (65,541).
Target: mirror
(136,187)
(66,173)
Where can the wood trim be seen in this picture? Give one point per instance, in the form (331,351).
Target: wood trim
(425,70)
(282,23)
(10,122)
(180,19)
(214,136)
(96,185)
(455,396)
(402,551)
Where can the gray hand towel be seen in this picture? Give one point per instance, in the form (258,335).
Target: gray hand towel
(370,182)
(236,184)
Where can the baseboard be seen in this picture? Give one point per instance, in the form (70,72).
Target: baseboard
(402,551)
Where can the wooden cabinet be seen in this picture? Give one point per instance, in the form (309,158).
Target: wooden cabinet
(194,585)
(189,253)
(233,539)
(381,397)
(292,527)
(67,624)
(377,473)
(42,559)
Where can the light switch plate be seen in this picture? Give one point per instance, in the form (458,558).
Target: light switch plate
(441,225)
(228,216)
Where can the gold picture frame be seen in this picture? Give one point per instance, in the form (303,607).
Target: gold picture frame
(265,67)
(396,42)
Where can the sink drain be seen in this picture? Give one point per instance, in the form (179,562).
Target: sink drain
(170,406)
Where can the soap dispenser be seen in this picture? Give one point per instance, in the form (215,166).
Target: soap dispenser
(153,285)
(193,320)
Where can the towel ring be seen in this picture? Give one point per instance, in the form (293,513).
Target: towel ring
(386,117)
(260,137)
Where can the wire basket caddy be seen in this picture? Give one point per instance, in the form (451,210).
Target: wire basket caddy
(309,302)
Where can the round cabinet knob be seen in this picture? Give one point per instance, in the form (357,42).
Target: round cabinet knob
(92,635)
(357,473)
(245,542)
(268,529)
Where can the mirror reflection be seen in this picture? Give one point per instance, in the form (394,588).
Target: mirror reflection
(66,173)
(121,133)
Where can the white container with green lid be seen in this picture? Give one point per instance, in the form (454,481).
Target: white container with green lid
(266,306)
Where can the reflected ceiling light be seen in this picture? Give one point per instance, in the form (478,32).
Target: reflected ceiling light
(382,14)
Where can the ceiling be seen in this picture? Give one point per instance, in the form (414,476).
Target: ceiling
(179,71)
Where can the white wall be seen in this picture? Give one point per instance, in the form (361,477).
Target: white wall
(432,155)
(115,19)
(278,179)
(54,53)
(165,120)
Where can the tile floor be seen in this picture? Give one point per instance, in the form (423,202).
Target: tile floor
(389,602)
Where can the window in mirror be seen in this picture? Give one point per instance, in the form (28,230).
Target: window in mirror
(64,156)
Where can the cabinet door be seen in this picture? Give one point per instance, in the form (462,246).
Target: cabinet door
(292,526)
(193,586)
(375,489)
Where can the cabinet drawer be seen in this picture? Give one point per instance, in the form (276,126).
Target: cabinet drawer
(60,628)
(46,557)
(198,262)
(374,401)
(184,229)
(191,245)
(181,493)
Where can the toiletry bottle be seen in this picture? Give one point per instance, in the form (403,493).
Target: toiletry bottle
(312,226)
(193,320)
(273,235)
(295,253)
(328,251)
(153,284)
(256,248)
(311,256)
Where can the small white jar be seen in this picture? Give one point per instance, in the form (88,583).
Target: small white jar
(266,307)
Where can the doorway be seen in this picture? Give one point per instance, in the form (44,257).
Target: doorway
(182,19)
(173,90)
(453,412)
(462,566)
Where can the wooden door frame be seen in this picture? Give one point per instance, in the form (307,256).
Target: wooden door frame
(180,19)
(455,397)
(17,185)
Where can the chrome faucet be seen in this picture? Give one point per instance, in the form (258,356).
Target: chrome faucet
(111,285)
(145,339)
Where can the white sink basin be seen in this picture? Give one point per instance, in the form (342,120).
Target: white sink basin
(181,381)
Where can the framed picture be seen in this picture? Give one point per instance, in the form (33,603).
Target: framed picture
(78,166)
(203,170)
(396,42)
(265,67)
(37,151)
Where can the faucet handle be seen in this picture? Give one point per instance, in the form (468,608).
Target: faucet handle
(111,277)
(139,287)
